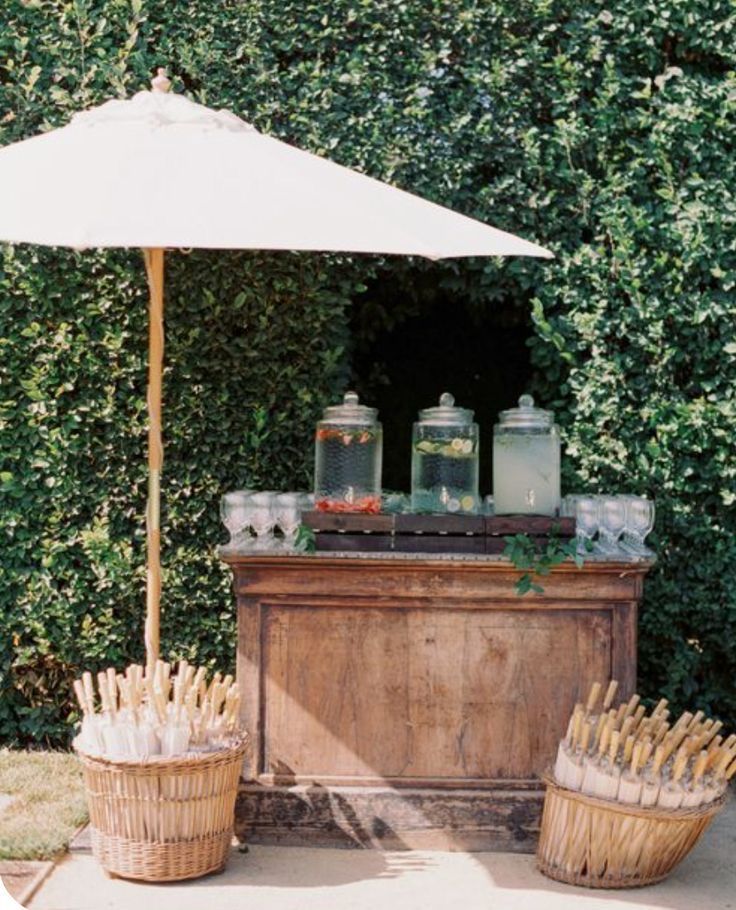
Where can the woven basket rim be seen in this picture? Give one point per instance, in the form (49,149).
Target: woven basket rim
(689,812)
(238,744)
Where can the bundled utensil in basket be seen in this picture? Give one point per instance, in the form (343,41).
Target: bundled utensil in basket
(631,792)
(154,714)
(162,757)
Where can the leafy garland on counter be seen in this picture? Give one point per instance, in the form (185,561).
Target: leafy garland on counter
(536,561)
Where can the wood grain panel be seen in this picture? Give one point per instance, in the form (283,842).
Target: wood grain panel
(411,702)
(406,693)
(334,678)
(418,819)
(486,580)
(248,668)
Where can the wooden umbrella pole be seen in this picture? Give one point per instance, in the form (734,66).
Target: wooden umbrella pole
(154,259)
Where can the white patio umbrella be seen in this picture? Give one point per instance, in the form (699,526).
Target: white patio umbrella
(160,171)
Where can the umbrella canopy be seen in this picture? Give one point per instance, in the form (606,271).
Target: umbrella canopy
(160,171)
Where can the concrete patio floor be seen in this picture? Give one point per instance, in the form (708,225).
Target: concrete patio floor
(293,878)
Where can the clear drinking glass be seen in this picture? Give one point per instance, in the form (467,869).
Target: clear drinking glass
(612,523)
(639,522)
(306,502)
(587,522)
(263,519)
(235,512)
(395,503)
(288,516)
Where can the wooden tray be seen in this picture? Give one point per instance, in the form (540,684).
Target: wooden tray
(419,533)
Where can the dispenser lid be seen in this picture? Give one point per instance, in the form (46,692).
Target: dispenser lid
(350,412)
(526,416)
(446,412)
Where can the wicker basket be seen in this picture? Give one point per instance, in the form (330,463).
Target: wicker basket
(601,843)
(163,819)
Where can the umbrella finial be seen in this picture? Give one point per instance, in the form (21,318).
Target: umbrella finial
(160,82)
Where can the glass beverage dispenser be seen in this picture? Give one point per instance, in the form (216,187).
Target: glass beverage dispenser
(348,454)
(444,464)
(526,461)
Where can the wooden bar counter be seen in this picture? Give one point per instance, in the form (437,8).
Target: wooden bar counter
(413,701)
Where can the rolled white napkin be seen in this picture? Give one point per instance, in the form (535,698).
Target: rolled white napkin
(594,777)
(670,795)
(91,735)
(630,784)
(610,772)
(565,759)
(653,779)
(577,769)
(695,787)
(174,739)
(672,792)
(115,740)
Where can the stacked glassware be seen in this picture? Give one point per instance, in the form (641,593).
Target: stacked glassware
(621,523)
(265,520)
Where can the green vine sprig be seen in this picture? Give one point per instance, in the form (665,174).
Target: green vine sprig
(306,540)
(537,560)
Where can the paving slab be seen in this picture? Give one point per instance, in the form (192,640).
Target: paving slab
(295,878)
(82,841)
(22,878)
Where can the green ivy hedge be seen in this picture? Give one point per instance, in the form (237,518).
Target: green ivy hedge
(603,131)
